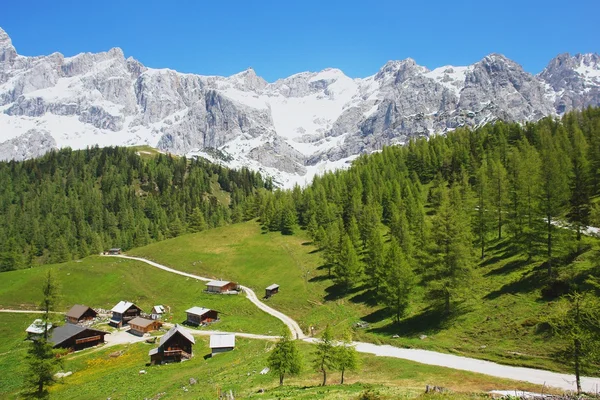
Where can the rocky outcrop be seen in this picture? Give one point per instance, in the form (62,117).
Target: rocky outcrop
(31,144)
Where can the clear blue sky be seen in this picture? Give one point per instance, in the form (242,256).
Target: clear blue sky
(282,37)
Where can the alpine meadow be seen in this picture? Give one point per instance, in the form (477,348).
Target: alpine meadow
(337,221)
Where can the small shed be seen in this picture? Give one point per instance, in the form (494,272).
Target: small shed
(201,315)
(175,345)
(139,326)
(221,343)
(114,251)
(271,290)
(124,312)
(36,329)
(157,312)
(220,286)
(79,313)
(76,337)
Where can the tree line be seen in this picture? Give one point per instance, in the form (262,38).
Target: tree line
(69,204)
(425,212)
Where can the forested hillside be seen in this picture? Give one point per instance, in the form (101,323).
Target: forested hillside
(69,204)
(427,211)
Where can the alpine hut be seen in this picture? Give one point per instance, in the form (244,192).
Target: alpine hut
(175,345)
(79,313)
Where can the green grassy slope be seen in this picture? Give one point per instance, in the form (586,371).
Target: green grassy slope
(97,376)
(500,319)
(102,282)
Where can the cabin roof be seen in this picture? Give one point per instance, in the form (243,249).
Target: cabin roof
(123,306)
(115,249)
(77,311)
(158,309)
(218,283)
(153,352)
(220,341)
(273,286)
(37,327)
(67,331)
(173,331)
(198,310)
(139,321)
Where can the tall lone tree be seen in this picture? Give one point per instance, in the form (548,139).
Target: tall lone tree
(285,358)
(41,357)
(325,354)
(346,355)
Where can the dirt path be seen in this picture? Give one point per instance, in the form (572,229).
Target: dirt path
(535,376)
(28,311)
(290,323)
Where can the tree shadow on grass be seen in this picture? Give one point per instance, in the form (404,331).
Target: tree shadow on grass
(307,243)
(529,282)
(508,267)
(319,278)
(429,321)
(367,297)
(336,292)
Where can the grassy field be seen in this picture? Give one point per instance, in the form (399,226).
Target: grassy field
(97,375)
(102,282)
(500,319)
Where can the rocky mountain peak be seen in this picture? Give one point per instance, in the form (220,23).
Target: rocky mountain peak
(7,50)
(248,80)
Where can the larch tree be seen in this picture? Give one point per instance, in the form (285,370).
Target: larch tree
(346,355)
(348,269)
(579,202)
(324,356)
(398,281)
(375,259)
(483,219)
(285,359)
(554,192)
(576,319)
(498,184)
(451,270)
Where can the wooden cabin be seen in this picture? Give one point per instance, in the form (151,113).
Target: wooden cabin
(115,251)
(271,290)
(75,337)
(36,329)
(220,286)
(201,315)
(221,343)
(139,326)
(124,312)
(79,313)
(157,312)
(175,345)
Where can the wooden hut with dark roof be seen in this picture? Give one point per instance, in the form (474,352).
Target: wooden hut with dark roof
(175,345)
(79,313)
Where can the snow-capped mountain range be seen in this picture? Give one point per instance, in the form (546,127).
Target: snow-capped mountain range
(290,129)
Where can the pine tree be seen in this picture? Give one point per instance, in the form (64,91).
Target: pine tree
(197,222)
(288,220)
(285,359)
(398,281)
(324,356)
